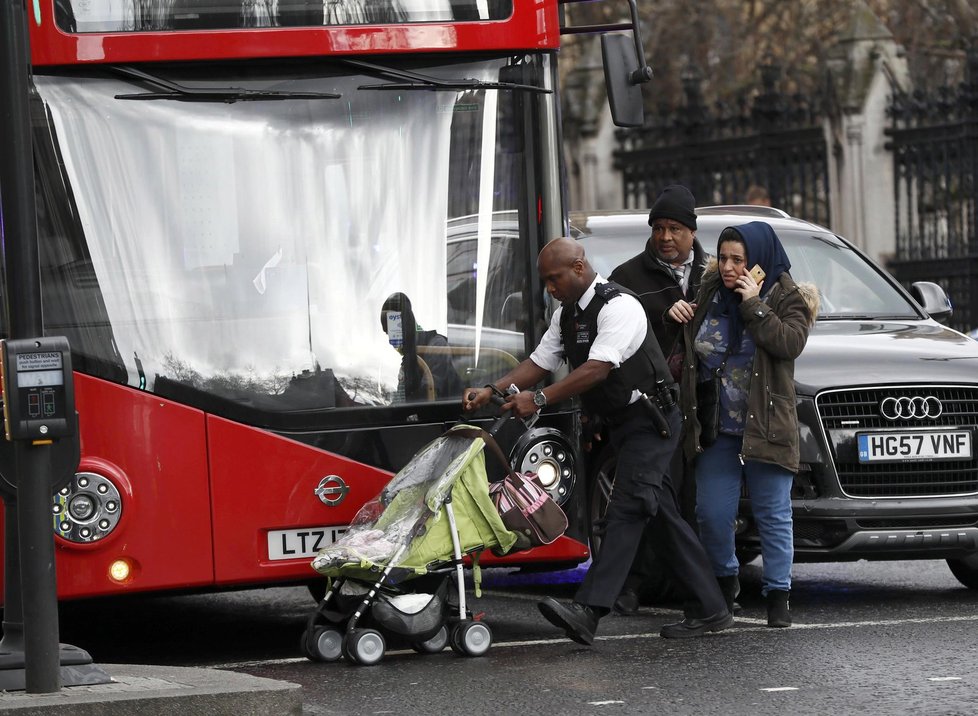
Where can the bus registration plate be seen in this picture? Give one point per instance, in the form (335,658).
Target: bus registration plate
(882,447)
(302,543)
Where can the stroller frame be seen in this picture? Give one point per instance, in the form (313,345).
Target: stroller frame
(327,639)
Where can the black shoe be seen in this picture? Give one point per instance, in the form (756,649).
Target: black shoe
(778,609)
(627,602)
(578,621)
(697,627)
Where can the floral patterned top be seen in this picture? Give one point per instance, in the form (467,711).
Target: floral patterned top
(710,347)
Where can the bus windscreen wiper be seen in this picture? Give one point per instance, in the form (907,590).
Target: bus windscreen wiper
(181,93)
(417,80)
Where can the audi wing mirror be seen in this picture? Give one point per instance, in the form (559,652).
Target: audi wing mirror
(933,299)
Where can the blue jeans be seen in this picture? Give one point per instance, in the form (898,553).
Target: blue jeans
(718,479)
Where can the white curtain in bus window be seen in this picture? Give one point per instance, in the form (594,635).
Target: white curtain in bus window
(240,245)
(152,15)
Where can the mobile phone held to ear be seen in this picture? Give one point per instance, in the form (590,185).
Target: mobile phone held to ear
(757,273)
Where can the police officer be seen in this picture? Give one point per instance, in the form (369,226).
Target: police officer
(620,374)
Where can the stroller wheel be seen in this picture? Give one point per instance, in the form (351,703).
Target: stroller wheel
(364,646)
(433,645)
(324,644)
(471,638)
(304,644)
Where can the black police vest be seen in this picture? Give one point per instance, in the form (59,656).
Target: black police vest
(641,370)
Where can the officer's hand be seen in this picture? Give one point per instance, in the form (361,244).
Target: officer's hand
(475,398)
(682,311)
(521,404)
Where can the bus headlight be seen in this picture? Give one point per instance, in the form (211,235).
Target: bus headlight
(87,509)
(547,452)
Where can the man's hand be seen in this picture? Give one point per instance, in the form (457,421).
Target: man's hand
(521,404)
(475,398)
(681,311)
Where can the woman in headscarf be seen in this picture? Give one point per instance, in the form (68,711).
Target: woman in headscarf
(746,330)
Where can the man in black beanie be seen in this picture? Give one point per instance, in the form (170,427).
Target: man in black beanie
(669,269)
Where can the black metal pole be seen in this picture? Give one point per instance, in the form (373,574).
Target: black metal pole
(23,302)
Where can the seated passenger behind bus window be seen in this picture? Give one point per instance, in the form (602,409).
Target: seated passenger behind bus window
(410,340)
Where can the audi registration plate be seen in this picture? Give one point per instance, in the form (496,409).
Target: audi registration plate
(302,543)
(945,445)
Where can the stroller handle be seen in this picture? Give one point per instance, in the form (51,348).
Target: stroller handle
(501,420)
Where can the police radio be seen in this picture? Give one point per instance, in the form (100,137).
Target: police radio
(38,390)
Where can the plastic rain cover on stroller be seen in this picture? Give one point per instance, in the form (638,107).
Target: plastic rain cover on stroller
(405,527)
(431,513)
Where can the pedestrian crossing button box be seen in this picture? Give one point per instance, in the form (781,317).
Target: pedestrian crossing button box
(38,390)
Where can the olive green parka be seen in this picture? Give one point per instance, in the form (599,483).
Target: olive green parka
(779,327)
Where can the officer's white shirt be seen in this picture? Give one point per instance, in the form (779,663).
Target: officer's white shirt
(622,326)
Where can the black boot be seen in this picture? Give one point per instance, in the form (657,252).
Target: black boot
(730,586)
(778,610)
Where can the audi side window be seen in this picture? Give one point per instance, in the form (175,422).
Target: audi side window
(848,285)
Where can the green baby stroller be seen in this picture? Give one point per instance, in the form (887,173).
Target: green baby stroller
(433,512)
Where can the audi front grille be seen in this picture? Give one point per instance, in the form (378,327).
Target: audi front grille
(845,413)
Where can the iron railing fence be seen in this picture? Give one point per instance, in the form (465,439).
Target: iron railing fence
(933,138)
(774,140)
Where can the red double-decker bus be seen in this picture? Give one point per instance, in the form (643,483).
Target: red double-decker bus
(281,236)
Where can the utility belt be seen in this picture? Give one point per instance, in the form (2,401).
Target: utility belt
(656,406)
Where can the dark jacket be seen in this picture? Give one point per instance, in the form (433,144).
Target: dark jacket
(779,327)
(657,289)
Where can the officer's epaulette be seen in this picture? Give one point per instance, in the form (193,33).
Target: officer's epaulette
(607,291)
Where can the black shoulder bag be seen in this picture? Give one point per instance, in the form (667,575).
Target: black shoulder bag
(708,405)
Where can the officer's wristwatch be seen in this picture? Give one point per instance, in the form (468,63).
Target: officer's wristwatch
(539,399)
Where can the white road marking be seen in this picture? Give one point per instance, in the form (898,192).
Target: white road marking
(781,688)
(944,678)
(603,703)
(760,628)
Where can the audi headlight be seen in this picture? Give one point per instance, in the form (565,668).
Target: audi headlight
(87,509)
(547,453)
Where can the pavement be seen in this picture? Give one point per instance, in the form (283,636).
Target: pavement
(162,691)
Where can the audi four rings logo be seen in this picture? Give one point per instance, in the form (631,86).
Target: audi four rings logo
(906,408)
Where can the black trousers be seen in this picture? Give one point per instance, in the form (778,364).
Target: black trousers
(643,494)
(650,577)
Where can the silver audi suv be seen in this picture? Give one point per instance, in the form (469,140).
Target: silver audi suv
(887,400)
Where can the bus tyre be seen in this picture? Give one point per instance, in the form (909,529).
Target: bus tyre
(364,646)
(325,644)
(433,645)
(965,570)
(471,638)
